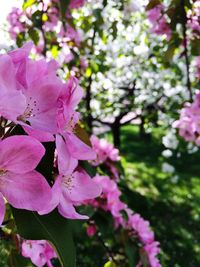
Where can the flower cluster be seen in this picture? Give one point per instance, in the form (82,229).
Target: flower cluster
(33,97)
(109,201)
(189,121)
(158,20)
(39,251)
(107,154)
(198,67)
(54,38)
(193,18)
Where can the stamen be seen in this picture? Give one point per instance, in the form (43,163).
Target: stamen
(67,181)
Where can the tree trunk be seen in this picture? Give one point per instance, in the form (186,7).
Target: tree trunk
(116,134)
(142,129)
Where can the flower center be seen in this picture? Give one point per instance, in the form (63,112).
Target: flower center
(69,127)
(30,110)
(67,181)
(2,172)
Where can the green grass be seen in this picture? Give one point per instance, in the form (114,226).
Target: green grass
(172,206)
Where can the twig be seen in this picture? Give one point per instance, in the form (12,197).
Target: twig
(187,62)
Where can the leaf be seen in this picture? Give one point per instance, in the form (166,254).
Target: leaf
(88,168)
(28,3)
(51,227)
(195,47)
(82,134)
(37,19)
(131,253)
(152,4)
(168,55)
(110,264)
(15,259)
(20,39)
(34,35)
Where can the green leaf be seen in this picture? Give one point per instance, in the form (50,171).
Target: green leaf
(168,55)
(20,39)
(195,47)
(110,264)
(34,35)
(28,3)
(16,259)
(51,227)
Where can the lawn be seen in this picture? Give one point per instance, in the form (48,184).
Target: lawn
(171,202)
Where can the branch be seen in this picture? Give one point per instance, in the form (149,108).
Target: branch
(187,62)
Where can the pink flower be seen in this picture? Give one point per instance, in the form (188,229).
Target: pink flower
(39,251)
(76,3)
(159,23)
(30,90)
(91,230)
(72,187)
(152,251)
(106,154)
(20,184)
(104,150)
(14,19)
(12,101)
(67,118)
(110,201)
(189,121)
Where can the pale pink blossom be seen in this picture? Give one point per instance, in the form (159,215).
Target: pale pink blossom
(158,20)
(39,251)
(21,185)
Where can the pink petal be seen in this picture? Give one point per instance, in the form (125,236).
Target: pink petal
(66,163)
(39,135)
(67,210)
(12,104)
(56,195)
(2,209)
(20,154)
(7,74)
(28,191)
(20,54)
(84,187)
(78,149)
(44,92)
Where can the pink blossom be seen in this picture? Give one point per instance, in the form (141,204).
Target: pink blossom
(110,201)
(106,154)
(91,230)
(33,91)
(72,186)
(158,20)
(21,185)
(193,18)
(39,251)
(14,19)
(104,150)
(76,3)
(189,121)
(67,118)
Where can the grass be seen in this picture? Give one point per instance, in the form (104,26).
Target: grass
(171,202)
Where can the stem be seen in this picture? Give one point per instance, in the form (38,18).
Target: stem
(187,62)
